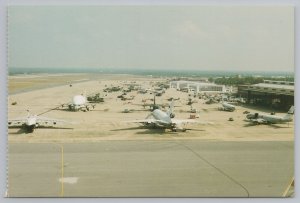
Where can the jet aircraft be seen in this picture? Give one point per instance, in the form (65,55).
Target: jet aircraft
(79,102)
(154,106)
(161,119)
(30,122)
(257,118)
(227,107)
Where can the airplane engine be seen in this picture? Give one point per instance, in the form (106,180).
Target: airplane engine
(174,129)
(30,128)
(178,129)
(172,115)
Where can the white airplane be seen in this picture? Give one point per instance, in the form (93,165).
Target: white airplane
(79,102)
(30,122)
(161,119)
(227,107)
(271,119)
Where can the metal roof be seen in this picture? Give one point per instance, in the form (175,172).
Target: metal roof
(276,86)
(195,83)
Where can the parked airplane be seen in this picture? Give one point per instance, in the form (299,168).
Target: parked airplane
(227,107)
(161,119)
(171,98)
(95,98)
(211,101)
(154,106)
(79,102)
(271,119)
(191,101)
(30,122)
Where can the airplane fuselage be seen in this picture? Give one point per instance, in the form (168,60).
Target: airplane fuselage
(30,123)
(275,119)
(271,119)
(78,102)
(31,120)
(228,107)
(162,116)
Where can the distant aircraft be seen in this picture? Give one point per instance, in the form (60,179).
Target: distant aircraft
(227,107)
(154,106)
(271,119)
(211,101)
(79,102)
(142,91)
(191,101)
(174,99)
(161,119)
(95,98)
(30,122)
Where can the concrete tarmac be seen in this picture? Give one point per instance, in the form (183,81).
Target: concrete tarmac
(143,168)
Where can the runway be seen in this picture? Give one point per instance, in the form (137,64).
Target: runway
(145,168)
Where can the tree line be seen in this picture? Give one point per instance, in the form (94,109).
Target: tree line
(249,80)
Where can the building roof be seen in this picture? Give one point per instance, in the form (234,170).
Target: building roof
(276,86)
(195,83)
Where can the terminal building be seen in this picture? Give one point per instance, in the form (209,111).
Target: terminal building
(276,94)
(197,86)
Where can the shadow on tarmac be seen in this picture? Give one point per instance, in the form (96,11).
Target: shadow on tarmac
(23,130)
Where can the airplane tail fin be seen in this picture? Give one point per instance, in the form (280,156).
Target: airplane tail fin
(290,113)
(171,108)
(28,113)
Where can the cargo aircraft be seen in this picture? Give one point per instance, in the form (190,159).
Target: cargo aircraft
(227,107)
(30,122)
(257,118)
(79,102)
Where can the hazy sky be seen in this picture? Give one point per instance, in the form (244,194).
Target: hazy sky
(156,37)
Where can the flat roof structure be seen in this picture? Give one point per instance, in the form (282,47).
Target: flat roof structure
(197,86)
(273,88)
(269,92)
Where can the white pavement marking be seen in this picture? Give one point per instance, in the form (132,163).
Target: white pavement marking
(70,180)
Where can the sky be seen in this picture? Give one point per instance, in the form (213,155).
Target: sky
(226,38)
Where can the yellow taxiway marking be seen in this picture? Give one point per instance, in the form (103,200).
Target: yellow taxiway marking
(288,187)
(62,171)
(61,168)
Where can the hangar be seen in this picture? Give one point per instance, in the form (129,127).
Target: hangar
(276,94)
(197,86)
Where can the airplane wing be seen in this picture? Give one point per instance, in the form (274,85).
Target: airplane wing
(186,121)
(144,121)
(258,121)
(16,122)
(43,121)
(148,121)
